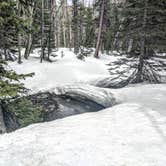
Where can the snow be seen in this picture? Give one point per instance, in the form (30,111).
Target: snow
(152,96)
(101,96)
(66,70)
(132,133)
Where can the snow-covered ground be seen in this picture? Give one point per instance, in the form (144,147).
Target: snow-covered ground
(70,70)
(132,133)
(66,70)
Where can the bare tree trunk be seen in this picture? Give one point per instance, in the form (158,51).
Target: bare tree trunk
(28,46)
(68,26)
(98,44)
(51,15)
(142,53)
(29,40)
(19,49)
(2,124)
(19,36)
(42,31)
(130,45)
(75,26)
(54,19)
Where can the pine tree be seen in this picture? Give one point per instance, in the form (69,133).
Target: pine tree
(9,82)
(144,24)
(12,26)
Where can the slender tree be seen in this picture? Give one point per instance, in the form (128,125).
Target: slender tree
(75,26)
(100,29)
(42,31)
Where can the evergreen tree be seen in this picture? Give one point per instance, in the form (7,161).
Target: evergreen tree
(9,82)
(154,29)
(144,23)
(12,26)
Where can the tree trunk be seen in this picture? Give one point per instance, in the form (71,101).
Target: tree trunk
(130,46)
(29,40)
(19,36)
(19,49)
(51,26)
(28,46)
(2,124)
(98,44)
(75,26)
(54,20)
(42,32)
(68,26)
(142,52)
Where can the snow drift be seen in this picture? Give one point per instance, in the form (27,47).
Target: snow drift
(132,133)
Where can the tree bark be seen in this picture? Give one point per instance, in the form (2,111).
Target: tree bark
(142,52)
(75,26)
(19,36)
(68,26)
(29,40)
(98,44)
(42,31)
(19,49)
(2,124)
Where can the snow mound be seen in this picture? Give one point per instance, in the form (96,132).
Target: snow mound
(101,96)
(129,134)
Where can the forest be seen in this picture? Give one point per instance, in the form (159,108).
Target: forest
(82,82)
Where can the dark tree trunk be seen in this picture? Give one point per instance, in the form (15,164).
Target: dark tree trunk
(142,52)
(28,47)
(42,31)
(75,26)
(19,36)
(2,124)
(30,39)
(99,36)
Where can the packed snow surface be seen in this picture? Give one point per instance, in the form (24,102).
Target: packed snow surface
(132,133)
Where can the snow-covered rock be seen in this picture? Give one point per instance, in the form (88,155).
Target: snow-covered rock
(84,92)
